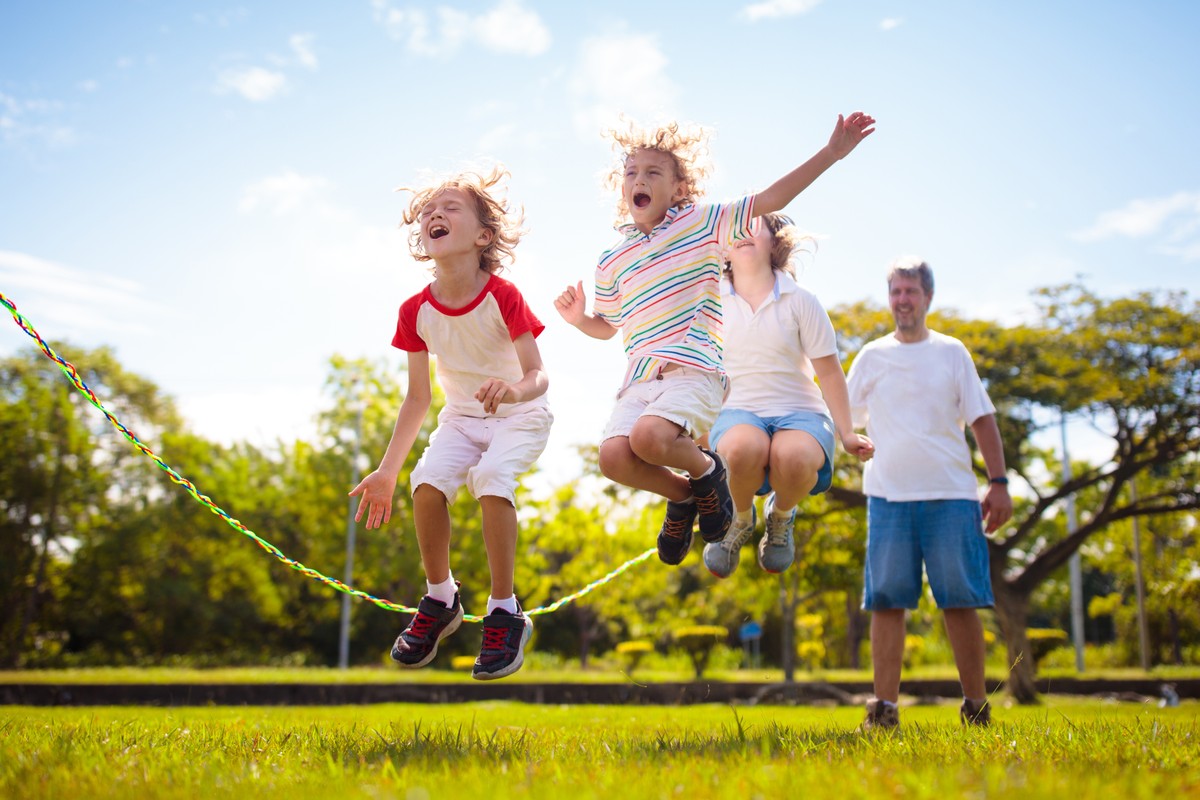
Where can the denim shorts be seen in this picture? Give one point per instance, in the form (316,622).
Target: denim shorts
(819,426)
(946,534)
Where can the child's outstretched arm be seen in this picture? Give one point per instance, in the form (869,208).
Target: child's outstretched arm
(375,491)
(846,135)
(572,306)
(837,397)
(533,383)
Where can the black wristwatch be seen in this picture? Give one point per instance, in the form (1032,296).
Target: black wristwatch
(1003,481)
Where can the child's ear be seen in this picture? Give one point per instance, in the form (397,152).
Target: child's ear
(484,238)
(680,191)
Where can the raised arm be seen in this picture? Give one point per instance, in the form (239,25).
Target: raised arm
(846,135)
(837,397)
(997,504)
(375,491)
(572,306)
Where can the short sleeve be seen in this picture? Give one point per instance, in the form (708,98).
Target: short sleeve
(817,337)
(733,220)
(858,386)
(974,401)
(407,338)
(518,317)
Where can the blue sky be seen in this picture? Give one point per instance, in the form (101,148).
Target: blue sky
(208,189)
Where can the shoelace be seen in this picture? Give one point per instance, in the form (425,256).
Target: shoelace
(675,528)
(708,503)
(494,638)
(736,538)
(777,531)
(421,625)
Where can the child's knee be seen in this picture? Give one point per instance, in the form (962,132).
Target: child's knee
(428,495)
(743,454)
(616,458)
(652,438)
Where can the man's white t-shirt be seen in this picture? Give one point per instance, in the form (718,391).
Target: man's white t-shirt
(768,351)
(915,400)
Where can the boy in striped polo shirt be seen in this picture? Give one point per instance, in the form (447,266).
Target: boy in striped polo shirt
(660,285)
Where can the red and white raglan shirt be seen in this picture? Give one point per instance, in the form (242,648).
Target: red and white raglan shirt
(471,344)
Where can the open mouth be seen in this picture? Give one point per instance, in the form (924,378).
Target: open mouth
(438,231)
(641,200)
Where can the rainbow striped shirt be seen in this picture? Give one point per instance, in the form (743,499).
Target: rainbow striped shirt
(663,290)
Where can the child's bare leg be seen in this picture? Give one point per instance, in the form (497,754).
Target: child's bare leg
(796,458)
(745,449)
(661,442)
(500,539)
(432,518)
(619,463)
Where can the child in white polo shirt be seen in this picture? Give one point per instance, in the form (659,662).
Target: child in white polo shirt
(495,422)
(776,431)
(659,284)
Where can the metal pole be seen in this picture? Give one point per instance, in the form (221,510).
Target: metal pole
(1143,637)
(344,631)
(1075,565)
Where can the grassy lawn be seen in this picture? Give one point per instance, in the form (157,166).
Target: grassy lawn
(1067,748)
(530,674)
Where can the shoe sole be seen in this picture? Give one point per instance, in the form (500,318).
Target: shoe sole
(517,662)
(721,465)
(450,628)
(682,557)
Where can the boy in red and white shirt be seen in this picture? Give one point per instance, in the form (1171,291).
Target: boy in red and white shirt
(495,422)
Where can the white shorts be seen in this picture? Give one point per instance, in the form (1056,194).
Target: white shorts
(689,397)
(487,454)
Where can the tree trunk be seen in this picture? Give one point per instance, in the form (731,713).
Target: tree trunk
(856,628)
(787,625)
(1012,611)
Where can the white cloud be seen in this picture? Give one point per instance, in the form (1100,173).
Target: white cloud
(891,23)
(253,83)
(71,301)
(770,9)
(281,194)
(620,74)
(89,85)
(302,49)
(508,28)
(1175,219)
(259,415)
(33,120)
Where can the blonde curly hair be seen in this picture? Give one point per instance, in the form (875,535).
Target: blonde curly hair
(786,242)
(687,147)
(492,211)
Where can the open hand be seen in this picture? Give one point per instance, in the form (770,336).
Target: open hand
(849,132)
(375,499)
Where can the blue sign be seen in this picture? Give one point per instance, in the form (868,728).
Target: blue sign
(750,631)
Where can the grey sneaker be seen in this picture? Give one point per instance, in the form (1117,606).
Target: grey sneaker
(721,557)
(777,549)
(881,716)
(971,714)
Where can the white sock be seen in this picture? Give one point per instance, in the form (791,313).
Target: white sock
(443,592)
(745,517)
(888,703)
(711,466)
(782,513)
(509,604)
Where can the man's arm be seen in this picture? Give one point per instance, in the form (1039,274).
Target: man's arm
(997,504)
(846,135)
(572,306)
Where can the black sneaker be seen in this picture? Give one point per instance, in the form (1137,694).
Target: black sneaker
(881,716)
(418,643)
(504,638)
(971,714)
(713,500)
(675,536)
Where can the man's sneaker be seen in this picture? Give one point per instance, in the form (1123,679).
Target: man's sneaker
(675,536)
(972,714)
(418,643)
(721,557)
(881,715)
(504,638)
(713,500)
(777,549)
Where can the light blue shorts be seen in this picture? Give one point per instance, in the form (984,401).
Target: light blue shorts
(946,534)
(819,426)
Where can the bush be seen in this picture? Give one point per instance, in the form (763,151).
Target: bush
(632,653)
(698,642)
(1042,641)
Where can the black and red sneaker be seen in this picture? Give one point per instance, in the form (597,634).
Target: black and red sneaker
(713,500)
(675,536)
(504,638)
(418,643)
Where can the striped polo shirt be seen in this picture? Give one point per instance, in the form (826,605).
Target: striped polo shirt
(663,289)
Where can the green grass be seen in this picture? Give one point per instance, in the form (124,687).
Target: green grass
(1070,749)
(603,673)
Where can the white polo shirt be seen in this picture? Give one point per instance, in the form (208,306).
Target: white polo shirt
(769,351)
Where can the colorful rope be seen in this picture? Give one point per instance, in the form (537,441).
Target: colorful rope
(69,370)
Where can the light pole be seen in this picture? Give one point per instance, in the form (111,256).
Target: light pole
(1075,565)
(1140,584)
(344,632)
